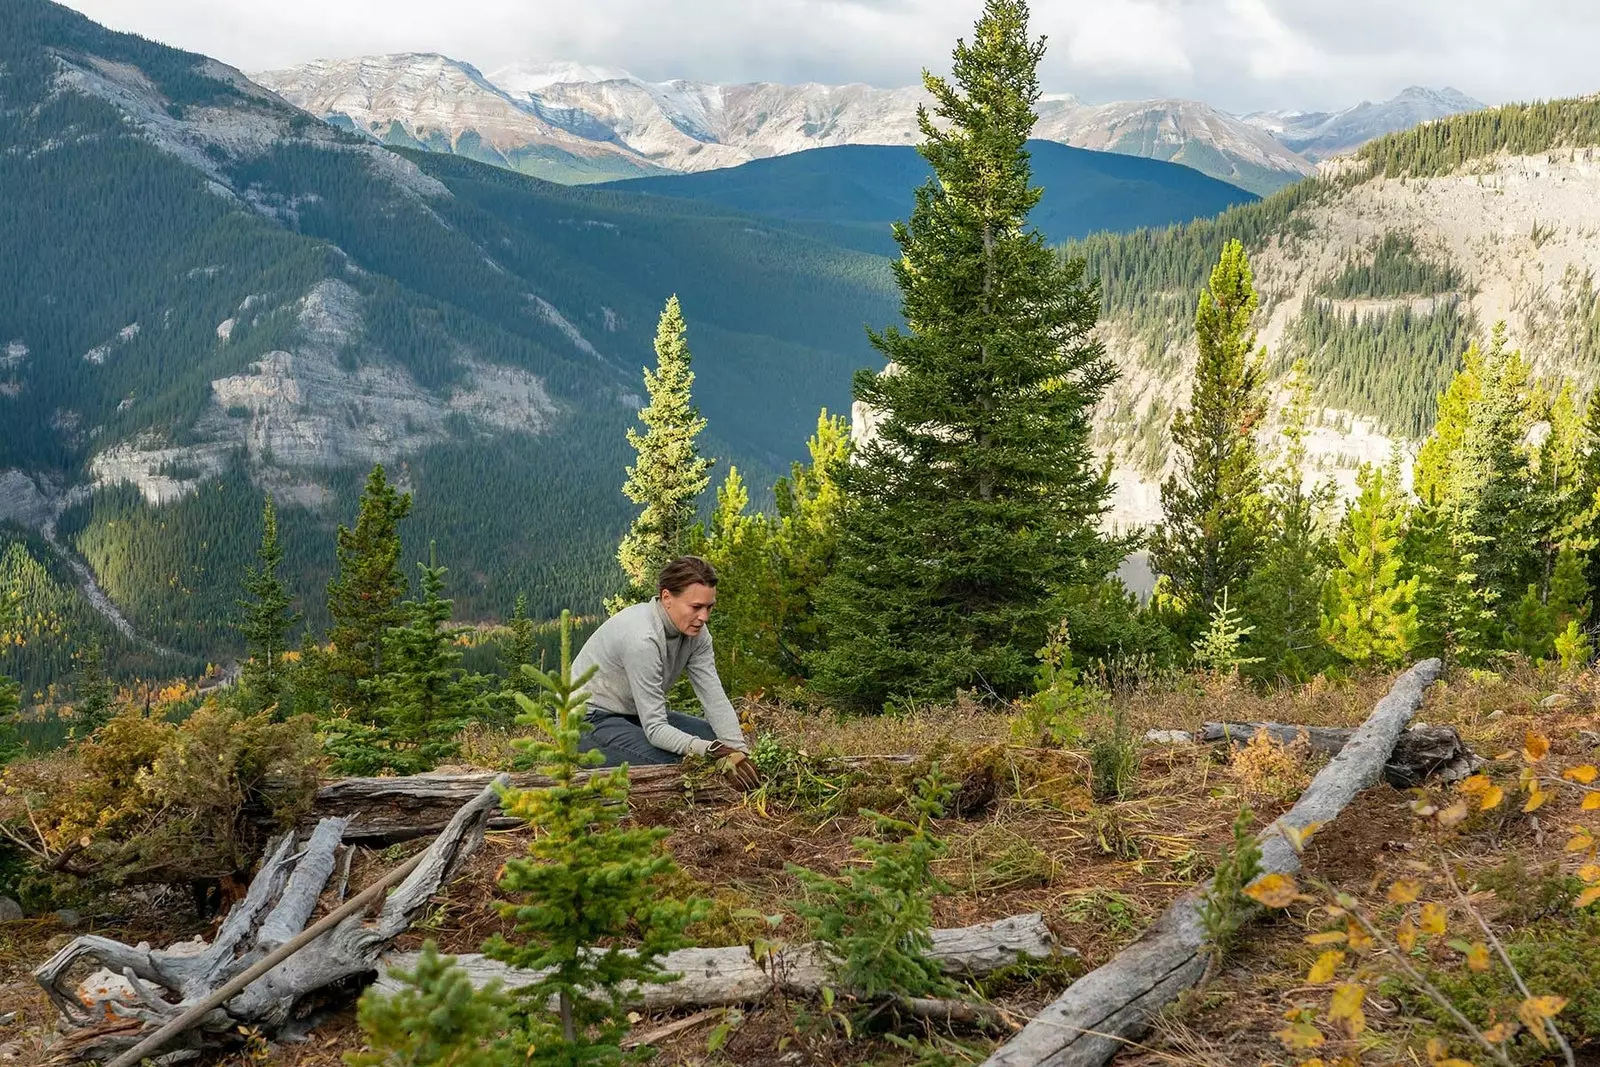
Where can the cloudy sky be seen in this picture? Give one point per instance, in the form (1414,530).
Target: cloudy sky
(1237,54)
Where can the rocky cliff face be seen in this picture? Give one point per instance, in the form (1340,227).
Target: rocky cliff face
(297,412)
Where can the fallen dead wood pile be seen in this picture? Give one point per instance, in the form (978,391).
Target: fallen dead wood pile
(718,976)
(390,809)
(1112,1005)
(264,963)
(1420,753)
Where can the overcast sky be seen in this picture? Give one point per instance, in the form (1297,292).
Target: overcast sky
(1239,55)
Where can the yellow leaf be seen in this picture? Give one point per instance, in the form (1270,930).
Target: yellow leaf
(1581,840)
(1535,747)
(1535,1010)
(1300,1036)
(1436,1049)
(1536,800)
(1297,836)
(1273,890)
(1591,802)
(1405,891)
(1433,918)
(1405,935)
(1587,897)
(1503,756)
(1345,1006)
(1336,937)
(1589,872)
(1582,775)
(1316,1062)
(1326,967)
(1357,937)
(1491,798)
(1454,815)
(1478,957)
(1499,1032)
(1476,785)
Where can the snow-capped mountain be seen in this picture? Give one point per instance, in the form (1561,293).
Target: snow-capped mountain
(575,122)
(1320,134)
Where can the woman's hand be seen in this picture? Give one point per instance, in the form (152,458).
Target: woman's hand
(735,764)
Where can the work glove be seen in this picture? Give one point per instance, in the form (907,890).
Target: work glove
(735,764)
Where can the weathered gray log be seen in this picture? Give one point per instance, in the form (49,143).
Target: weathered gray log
(1420,753)
(390,809)
(1112,1005)
(155,988)
(709,977)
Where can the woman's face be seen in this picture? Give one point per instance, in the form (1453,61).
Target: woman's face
(690,609)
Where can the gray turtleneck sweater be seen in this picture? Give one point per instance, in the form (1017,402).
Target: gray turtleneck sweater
(640,654)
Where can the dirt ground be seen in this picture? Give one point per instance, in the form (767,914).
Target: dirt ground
(1030,838)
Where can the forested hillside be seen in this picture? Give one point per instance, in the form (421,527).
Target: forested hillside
(221,295)
(850,194)
(1377,273)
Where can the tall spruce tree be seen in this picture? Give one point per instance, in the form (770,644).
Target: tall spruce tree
(265,619)
(670,473)
(1474,543)
(521,648)
(1214,510)
(1283,598)
(978,498)
(364,596)
(421,698)
(1371,613)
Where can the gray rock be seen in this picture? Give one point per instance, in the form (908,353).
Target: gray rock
(10,910)
(69,918)
(1556,700)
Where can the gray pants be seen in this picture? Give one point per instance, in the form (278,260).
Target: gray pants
(622,740)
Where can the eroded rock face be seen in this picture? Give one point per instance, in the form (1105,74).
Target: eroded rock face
(295,413)
(21,500)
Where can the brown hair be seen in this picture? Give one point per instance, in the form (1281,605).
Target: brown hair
(685,571)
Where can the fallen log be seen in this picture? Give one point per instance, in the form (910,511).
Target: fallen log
(1112,1005)
(711,977)
(263,963)
(392,809)
(1420,753)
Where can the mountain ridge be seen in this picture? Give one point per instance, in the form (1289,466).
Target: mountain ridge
(687,126)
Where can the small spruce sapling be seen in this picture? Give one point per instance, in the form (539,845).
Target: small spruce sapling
(1217,650)
(1224,908)
(435,1019)
(875,925)
(1061,701)
(586,879)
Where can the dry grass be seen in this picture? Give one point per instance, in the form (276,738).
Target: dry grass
(1034,840)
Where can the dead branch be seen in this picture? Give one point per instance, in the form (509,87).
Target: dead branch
(1111,1006)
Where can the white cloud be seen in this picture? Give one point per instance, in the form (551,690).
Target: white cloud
(1237,54)
(1124,37)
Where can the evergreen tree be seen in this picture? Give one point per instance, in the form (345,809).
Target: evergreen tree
(587,879)
(1371,614)
(670,473)
(1283,599)
(266,618)
(520,649)
(421,699)
(1213,507)
(364,595)
(1477,545)
(1543,615)
(10,692)
(978,499)
(435,1019)
(807,540)
(96,702)
(741,547)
